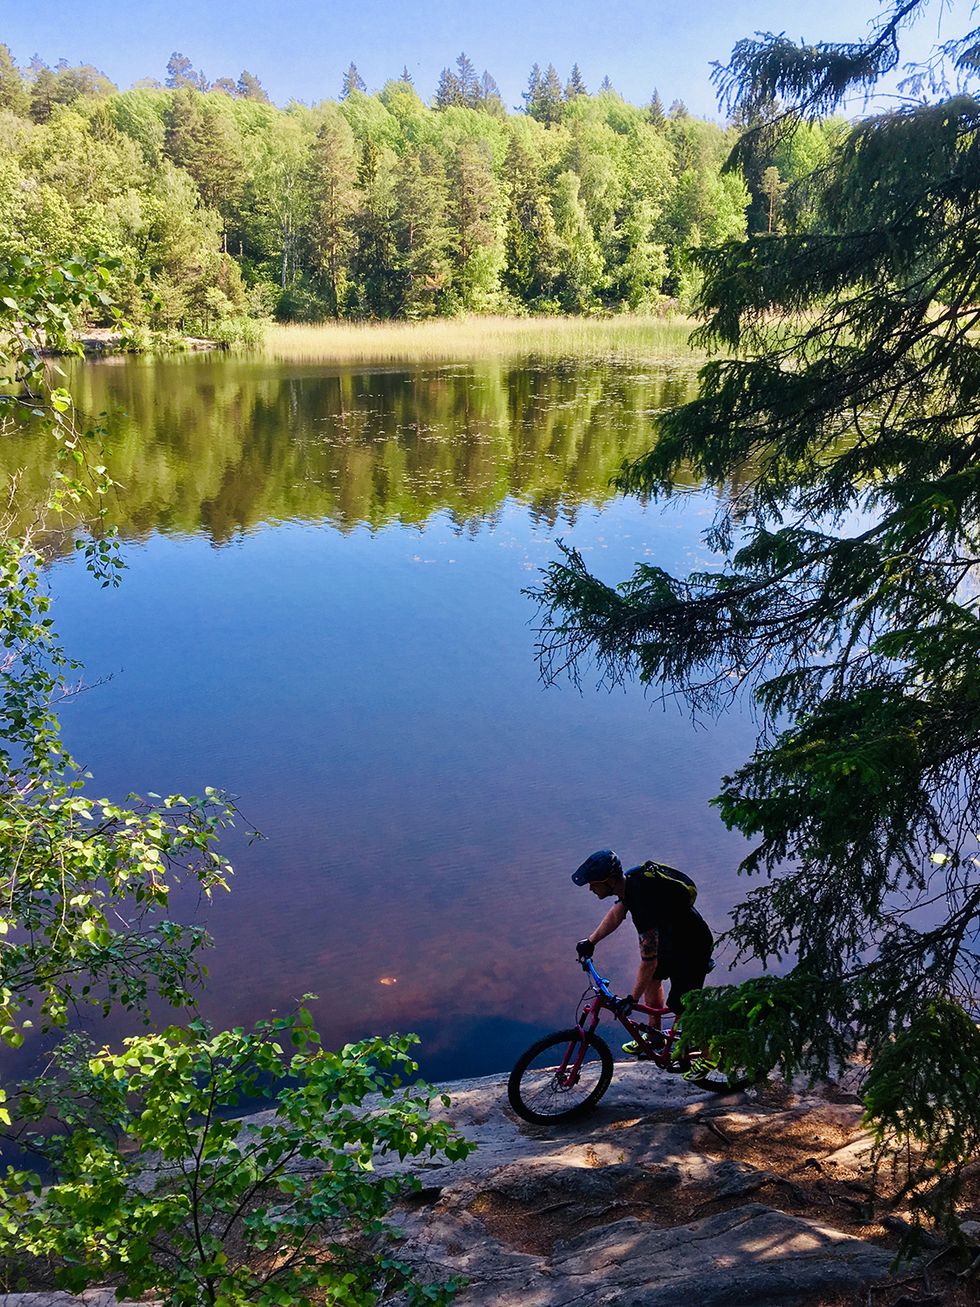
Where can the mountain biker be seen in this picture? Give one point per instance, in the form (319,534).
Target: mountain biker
(675,941)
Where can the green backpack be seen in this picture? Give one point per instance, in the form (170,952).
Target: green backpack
(682,891)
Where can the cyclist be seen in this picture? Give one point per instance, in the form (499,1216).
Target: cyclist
(675,942)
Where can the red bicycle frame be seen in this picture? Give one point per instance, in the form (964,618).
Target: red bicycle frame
(657,1050)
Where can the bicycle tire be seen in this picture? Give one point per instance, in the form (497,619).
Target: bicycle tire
(717,1081)
(538,1098)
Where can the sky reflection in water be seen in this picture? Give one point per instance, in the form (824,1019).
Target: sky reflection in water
(323,614)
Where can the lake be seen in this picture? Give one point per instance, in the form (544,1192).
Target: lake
(324,613)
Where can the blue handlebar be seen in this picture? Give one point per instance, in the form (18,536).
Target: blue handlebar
(600,982)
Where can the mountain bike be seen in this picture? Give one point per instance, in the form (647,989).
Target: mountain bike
(565,1074)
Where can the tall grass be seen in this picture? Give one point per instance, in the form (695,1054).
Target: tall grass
(449,339)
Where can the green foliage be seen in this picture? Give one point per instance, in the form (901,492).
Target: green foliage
(155,1185)
(171,183)
(159,1190)
(842,417)
(84,882)
(768,1023)
(924,1091)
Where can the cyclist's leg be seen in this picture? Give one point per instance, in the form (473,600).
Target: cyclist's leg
(685,978)
(653,996)
(690,962)
(650,942)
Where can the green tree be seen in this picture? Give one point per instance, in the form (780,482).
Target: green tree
(533,248)
(575,84)
(844,412)
(62,86)
(74,82)
(159,1189)
(276,210)
(249,87)
(375,289)
(461,86)
(655,110)
(84,881)
(581,262)
(332,178)
(448,90)
(472,217)
(14,95)
(202,139)
(181,73)
(773,188)
(421,233)
(533,88)
(544,99)
(353,81)
(44,94)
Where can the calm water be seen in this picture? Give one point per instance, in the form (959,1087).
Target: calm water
(323,614)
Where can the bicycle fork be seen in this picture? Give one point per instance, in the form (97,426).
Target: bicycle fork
(568,1073)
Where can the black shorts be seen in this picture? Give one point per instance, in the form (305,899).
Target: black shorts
(684,961)
(682,980)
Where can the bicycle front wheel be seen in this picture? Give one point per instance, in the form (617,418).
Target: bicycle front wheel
(545,1085)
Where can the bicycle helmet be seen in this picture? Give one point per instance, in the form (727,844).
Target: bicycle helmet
(598,866)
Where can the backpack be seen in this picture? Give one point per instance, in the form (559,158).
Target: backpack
(679,889)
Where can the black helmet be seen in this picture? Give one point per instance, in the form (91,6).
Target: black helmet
(598,866)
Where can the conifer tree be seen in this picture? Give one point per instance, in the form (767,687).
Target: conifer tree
(533,248)
(181,73)
(488,97)
(353,81)
(421,233)
(249,87)
(843,412)
(44,94)
(334,197)
(376,288)
(530,96)
(448,90)
(472,199)
(201,138)
(575,84)
(14,95)
(469,83)
(549,104)
(655,110)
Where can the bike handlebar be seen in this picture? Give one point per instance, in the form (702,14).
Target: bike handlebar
(599,982)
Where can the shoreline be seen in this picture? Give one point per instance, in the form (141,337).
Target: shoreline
(652,338)
(664,1194)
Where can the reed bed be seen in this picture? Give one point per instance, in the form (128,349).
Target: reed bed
(447,340)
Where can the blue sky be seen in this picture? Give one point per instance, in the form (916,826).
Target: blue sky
(300,48)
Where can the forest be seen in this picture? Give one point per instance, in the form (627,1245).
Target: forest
(214,208)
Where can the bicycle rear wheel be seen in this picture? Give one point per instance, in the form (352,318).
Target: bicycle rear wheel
(544,1087)
(705,1073)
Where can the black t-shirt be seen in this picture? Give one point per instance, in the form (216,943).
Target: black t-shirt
(660,898)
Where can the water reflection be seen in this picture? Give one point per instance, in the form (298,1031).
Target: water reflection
(356,663)
(222,445)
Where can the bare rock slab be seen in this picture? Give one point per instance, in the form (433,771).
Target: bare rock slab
(752,1255)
